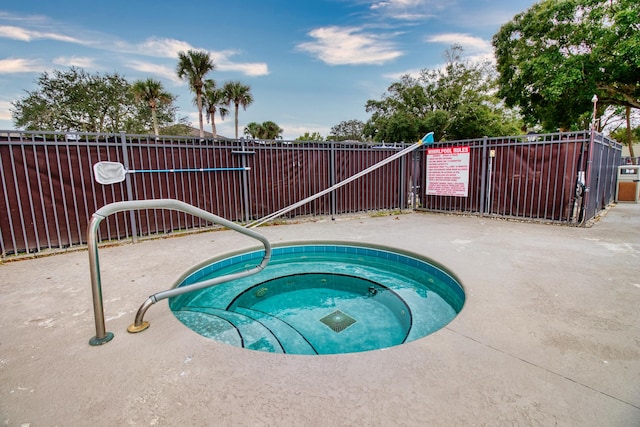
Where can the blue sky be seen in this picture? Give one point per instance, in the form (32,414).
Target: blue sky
(310,63)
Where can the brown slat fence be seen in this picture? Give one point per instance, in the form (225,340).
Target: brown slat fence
(48,194)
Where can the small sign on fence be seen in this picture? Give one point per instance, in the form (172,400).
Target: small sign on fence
(448,171)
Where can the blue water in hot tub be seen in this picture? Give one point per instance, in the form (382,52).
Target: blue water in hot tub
(322,298)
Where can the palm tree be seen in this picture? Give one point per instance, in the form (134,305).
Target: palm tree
(270,130)
(152,93)
(238,94)
(213,100)
(253,130)
(264,130)
(193,66)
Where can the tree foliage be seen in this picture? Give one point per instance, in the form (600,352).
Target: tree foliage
(347,130)
(75,101)
(238,94)
(264,130)
(455,102)
(621,133)
(314,136)
(214,101)
(555,56)
(181,127)
(152,93)
(193,66)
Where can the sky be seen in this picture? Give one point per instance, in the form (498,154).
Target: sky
(311,64)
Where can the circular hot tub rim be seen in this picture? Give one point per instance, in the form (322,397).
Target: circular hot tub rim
(211,265)
(454,294)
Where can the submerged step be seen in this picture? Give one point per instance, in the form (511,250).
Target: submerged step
(232,328)
(291,339)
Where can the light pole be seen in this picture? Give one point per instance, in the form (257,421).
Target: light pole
(593,120)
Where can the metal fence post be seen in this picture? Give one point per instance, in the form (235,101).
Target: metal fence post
(332,176)
(588,178)
(403,182)
(415,168)
(127,180)
(245,183)
(483,178)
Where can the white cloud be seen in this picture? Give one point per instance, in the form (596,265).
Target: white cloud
(18,33)
(397,4)
(414,72)
(20,65)
(293,131)
(406,10)
(163,71)
(226,128)
(349,45)
(468,43)
(249,68)
(161,47)
(194,118)
(5,114)
(15,33)
(76,61)
(411,16)
(482,58)
(170,48)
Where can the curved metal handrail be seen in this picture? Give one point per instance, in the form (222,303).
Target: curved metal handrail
(102,336)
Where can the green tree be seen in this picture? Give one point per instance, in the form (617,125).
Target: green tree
(555,56)
(237,94)
(621,134)
(214,101)
(271,130)
(627,134)
(454,102)
(252,130)
(152,93)
(76,101)
(194,66)
(351,130)
(264,130)
(314,136)
(181,127)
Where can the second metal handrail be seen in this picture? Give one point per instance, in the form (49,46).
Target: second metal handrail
(102,336)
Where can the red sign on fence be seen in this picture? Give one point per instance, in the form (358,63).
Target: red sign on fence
(448,171)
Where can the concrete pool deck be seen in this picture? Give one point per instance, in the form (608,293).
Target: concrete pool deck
(549,335)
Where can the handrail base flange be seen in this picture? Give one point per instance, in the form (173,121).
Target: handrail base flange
(133,329)
(99,341)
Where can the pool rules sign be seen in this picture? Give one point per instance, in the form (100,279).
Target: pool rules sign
(448,171)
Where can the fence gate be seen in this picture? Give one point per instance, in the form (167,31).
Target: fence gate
(560,177)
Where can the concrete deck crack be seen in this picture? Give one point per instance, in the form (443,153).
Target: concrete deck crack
(506,353)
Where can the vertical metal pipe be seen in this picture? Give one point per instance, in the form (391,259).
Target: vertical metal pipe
(127,178)
(415,169)
(483,177)
(488,192)
(332,176)
(245,184)
(403,183)
(102,336)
